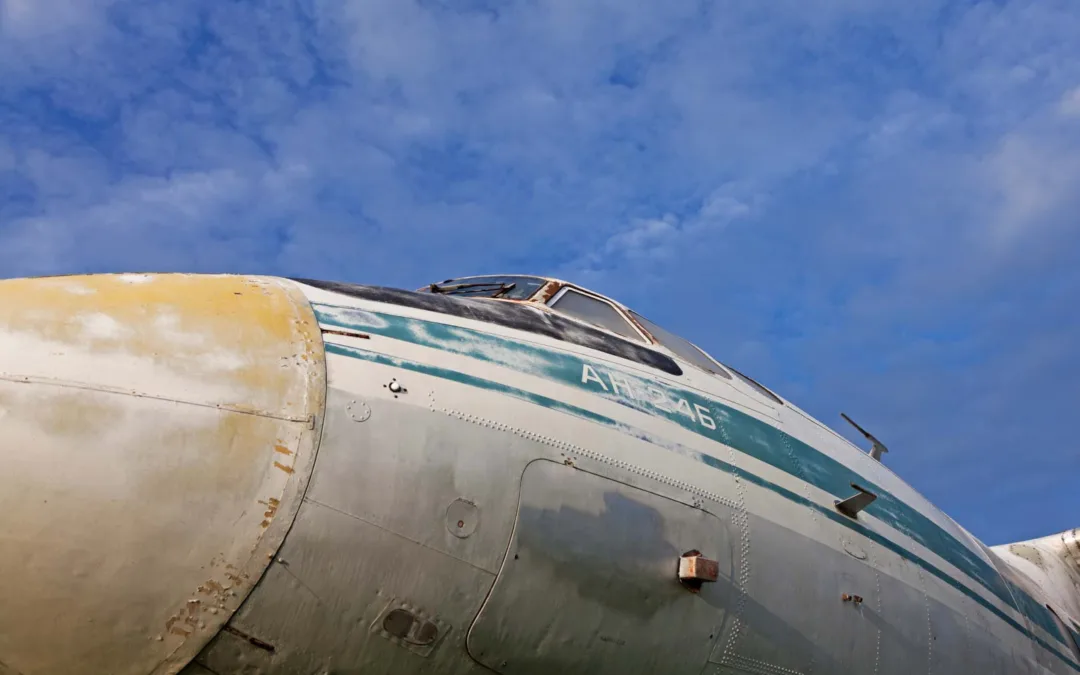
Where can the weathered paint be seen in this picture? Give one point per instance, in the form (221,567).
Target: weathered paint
(154,478)
(587,551)
(373,539)
(730,426)
(141,418)
(1048,563)
(1030,607)
(217,331)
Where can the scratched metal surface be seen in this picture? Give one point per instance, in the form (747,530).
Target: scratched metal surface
(1052,563)
(588,584)
(799,563)
(373,534)
(156,434)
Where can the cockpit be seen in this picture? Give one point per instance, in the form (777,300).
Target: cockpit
(591,308)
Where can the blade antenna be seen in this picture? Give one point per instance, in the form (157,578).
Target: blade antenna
(878,448)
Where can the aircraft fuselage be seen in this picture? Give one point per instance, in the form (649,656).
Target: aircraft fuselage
(257,475)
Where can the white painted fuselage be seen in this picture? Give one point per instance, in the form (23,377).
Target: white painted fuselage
(255,475)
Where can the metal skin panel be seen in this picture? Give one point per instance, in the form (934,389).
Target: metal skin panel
(900,543)
(664,400)
(375,530)
(405,467)
(319,606)
(1050,563)
(795,619)
(589,583)
(904,631)
(950,649)
(984,648)
(157,432)
(1044,653)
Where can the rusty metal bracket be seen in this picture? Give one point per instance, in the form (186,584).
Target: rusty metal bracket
(851,506)
(696,570)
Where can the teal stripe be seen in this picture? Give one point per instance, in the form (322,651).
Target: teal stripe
(709,460)
(734,428)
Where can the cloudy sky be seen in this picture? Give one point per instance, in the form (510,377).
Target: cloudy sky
(869,205)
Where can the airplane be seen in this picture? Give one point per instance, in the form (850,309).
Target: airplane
(229,474)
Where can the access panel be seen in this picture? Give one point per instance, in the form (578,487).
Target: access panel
(591,583)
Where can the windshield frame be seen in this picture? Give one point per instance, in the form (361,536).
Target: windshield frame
(719,369)
(644,337)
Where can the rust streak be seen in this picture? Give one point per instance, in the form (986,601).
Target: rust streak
(549,291)
(282,449)
(286,469)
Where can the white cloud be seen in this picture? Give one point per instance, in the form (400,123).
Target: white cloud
(1070,103)
(722,206)
(649,238)
(37,19)
(410,120)
(836,175)
(646,243)
(1037,175)
(1031,185)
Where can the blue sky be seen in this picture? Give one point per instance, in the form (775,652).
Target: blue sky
(870,206)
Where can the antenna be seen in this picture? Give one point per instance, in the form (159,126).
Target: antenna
(878,448)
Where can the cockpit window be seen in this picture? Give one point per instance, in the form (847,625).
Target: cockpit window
(682,347)
(508,287)
(594,311)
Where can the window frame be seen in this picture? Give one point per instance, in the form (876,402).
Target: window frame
(643,338)
(722,370)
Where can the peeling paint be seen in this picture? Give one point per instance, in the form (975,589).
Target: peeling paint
(190,330)
(286,469)
(143,415)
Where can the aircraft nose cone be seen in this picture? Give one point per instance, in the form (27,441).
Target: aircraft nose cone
(155,431)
